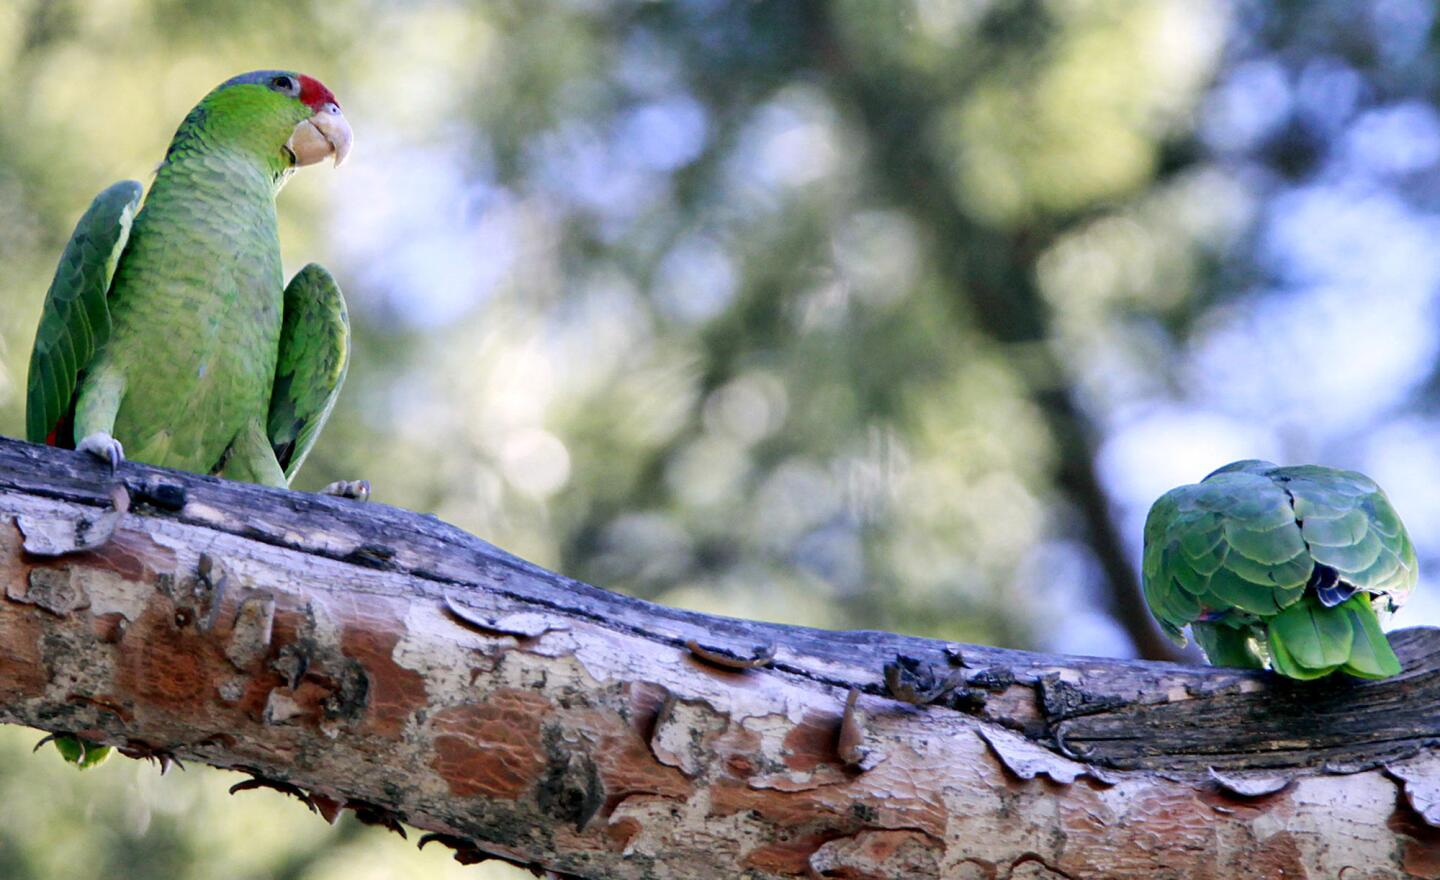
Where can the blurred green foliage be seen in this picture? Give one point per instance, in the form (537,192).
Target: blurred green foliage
(850,314)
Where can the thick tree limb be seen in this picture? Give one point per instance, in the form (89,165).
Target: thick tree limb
(384,661)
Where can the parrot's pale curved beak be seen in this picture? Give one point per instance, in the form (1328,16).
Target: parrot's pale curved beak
(326,133)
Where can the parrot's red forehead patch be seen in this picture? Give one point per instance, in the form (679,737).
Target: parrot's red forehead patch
(314,94)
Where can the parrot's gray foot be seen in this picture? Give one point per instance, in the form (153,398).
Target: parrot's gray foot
(104,447)
(357,489)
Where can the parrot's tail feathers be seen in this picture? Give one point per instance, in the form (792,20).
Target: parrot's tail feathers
(1371,655)
(1310,639)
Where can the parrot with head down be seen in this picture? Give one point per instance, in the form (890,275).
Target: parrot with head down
(1283,567)
(168,334)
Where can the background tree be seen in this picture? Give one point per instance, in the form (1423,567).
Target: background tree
(850,314)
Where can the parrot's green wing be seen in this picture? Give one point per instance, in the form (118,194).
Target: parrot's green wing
(1350,526)
(1228,544)
(1160,585)
(75,321)
(314,357)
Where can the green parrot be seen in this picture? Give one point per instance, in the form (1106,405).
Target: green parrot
(1280,566)
(168,333)
(168,330)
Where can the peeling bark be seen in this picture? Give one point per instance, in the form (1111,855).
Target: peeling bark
(366,658)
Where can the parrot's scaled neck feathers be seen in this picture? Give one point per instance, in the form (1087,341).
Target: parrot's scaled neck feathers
(244,123)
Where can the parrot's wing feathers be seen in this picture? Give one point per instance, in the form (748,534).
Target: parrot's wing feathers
(1172,607)
(1234,591)
(314,357)
(1350,559)
(1351,526)
(1335,528)
(75,321)
(1383,517)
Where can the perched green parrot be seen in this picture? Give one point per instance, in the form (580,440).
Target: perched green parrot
(1280,566)
(168,331)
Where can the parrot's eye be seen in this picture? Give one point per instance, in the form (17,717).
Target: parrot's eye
(285,85)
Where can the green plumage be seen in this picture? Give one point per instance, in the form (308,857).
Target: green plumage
(169,331)
(76,319)
(81,753)
(177,336)
(313,360)
(1280,566)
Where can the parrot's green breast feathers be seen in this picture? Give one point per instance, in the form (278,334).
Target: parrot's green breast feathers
(1284,565)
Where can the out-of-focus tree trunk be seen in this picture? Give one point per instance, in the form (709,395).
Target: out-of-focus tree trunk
(370,658)
(991,274)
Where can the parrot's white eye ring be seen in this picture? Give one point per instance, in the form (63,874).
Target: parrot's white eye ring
(286,85)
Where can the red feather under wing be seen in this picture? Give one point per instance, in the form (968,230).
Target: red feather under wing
(63,434)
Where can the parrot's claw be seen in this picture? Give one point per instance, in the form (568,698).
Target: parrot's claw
(104,447)
(357,489)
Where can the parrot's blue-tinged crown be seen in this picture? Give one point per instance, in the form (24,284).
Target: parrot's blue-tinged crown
(309,90)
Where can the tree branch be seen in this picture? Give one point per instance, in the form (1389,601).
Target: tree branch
(383,661)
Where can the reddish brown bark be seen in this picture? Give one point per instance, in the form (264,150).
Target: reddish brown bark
(382,661)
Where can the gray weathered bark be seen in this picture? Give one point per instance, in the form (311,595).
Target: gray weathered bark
(384,661)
